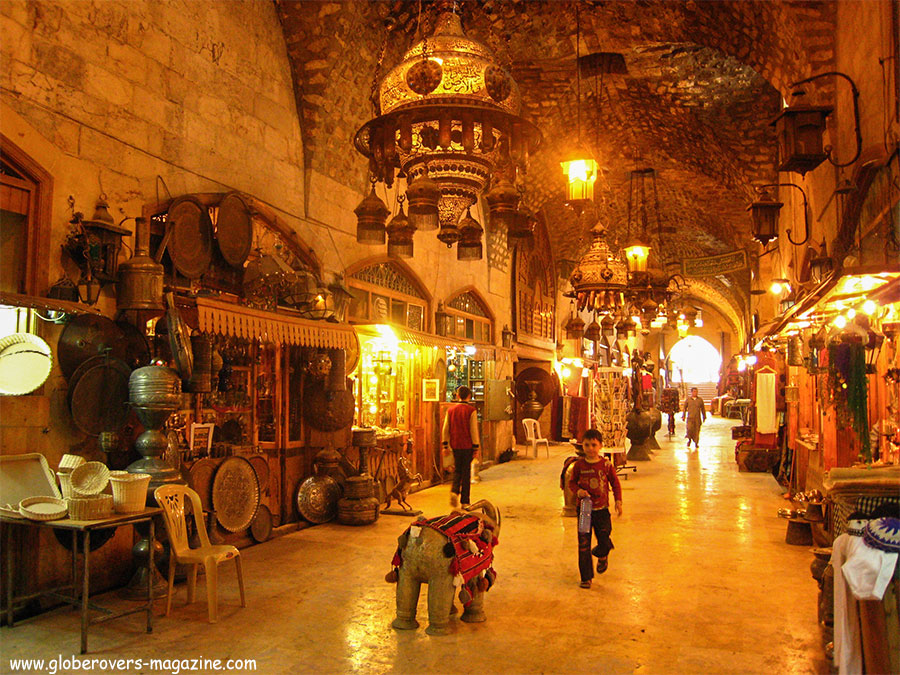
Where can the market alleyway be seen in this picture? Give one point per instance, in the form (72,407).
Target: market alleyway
(701,581)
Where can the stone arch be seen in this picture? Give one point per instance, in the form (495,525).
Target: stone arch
(399,281)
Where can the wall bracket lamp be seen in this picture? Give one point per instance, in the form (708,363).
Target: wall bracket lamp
(765,215)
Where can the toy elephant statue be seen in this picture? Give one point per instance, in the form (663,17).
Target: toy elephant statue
(446,552)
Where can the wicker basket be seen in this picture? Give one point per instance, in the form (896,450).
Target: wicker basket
(65,484)
(129,491)
(70,462)
(89,479)
(90,508)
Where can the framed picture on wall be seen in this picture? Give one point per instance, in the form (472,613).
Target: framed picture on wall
(201,439)
(431,390)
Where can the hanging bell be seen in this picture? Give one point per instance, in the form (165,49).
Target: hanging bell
(470,231)
(423,195)
(371,215)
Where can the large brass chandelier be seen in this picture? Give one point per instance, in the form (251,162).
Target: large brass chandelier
(447,116)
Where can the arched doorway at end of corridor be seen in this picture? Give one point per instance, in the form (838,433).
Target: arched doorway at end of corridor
(693,361)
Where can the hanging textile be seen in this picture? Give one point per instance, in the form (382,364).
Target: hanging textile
(766,412)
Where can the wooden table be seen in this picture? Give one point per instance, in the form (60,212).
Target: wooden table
(84,527)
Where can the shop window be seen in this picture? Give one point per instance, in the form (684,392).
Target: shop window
(386,293)
(24,221)
(470,318)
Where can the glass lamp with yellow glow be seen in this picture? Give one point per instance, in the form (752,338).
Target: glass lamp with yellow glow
(636,255)
(581,174)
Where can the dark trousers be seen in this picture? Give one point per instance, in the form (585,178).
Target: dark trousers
(601,523)
(462,473)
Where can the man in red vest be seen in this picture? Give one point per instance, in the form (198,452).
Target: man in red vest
(460,433)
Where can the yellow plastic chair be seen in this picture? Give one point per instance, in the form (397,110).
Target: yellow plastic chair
(171,498)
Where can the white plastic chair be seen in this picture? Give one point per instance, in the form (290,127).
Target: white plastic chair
(533,436)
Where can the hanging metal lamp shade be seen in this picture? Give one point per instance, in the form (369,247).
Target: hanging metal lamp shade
(608,325)
(469,246)
(423,195)
(400,236)
(799,131)
(574,328)
(371,215)
(502,200)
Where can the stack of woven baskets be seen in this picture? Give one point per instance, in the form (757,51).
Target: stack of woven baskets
(86,488)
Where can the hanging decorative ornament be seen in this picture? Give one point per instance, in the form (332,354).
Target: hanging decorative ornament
(470,231)
(502,200)
(600,277)
(593,332)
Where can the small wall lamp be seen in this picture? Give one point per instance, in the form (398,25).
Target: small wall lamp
(765,215)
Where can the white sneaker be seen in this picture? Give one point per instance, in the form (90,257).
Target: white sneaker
(454,500)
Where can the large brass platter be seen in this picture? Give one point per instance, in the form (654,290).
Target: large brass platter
(235,494)
(317,499)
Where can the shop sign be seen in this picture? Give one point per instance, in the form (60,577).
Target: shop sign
(710,266)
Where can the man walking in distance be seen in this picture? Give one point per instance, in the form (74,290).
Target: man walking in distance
(460,433)
(695,414)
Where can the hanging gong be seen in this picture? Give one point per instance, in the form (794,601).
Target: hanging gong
(352,355)
(234,229)
(85,336)
(190,243)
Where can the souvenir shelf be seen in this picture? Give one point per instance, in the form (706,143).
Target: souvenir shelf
(609,407)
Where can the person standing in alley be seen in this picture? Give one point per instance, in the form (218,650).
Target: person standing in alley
(460,434)
(695,415)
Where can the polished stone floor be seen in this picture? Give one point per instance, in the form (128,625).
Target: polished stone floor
(700,581)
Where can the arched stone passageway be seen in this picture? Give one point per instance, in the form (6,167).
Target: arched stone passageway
(693,359)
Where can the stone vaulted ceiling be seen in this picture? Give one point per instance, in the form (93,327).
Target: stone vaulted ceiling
(703,81)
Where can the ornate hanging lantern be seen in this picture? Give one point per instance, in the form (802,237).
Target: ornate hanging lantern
(600,278)
(799,130)
(371,215)
(450,110)
(400,236)
(593,331)
(608,325)
(821,266)
(423,195)
(469,246)
(502,200)
(574,327)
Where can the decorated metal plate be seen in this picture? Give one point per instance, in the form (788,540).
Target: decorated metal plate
(261,466)
(190,244)
(317,499)
(200,478)
(234,229)
(98,395)
(84,336)
(235,494)
(261,527)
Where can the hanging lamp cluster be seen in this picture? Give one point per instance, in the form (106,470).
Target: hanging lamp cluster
(447,118)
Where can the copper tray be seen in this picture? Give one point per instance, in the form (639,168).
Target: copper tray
(84,336)
(98,395)
(200,478)
(317,499)
(261,466)
(234,229)
(190,244)
(261,528)
(235,494)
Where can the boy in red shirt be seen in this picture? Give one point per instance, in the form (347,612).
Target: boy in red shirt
(591,477)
